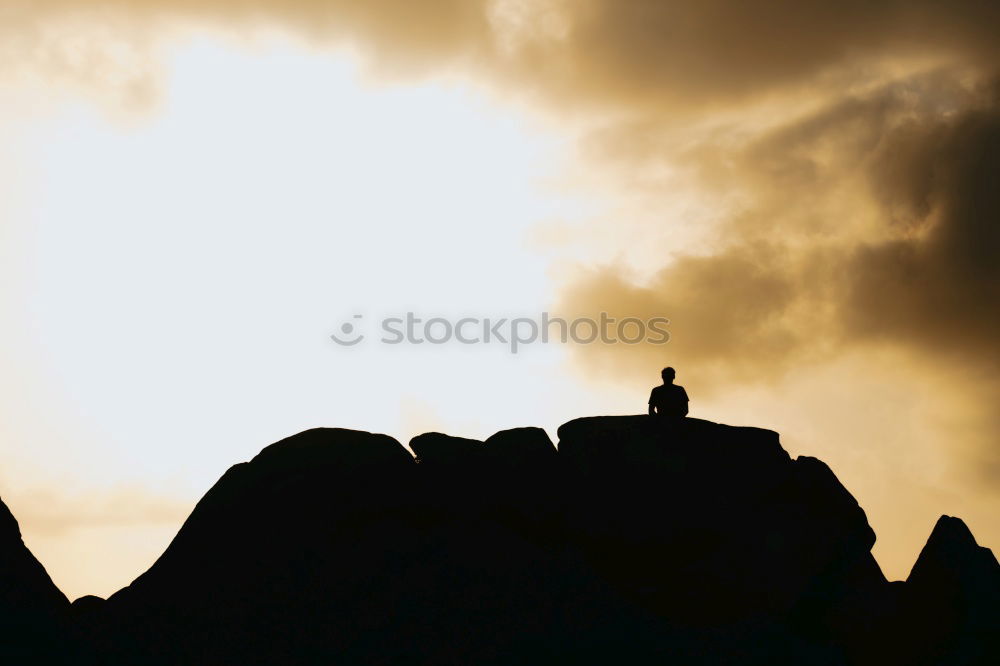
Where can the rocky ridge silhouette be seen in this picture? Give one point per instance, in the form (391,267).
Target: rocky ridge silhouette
(698,544)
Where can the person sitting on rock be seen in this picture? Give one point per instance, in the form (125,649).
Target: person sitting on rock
(668,401)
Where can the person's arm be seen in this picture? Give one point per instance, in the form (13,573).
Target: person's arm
(652,409)
(685,393)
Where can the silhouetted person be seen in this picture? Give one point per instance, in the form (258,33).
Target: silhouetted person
(668,402)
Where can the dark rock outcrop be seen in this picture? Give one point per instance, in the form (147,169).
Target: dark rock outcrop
(33,612)
(437,448)
(712,523)
(951,601)
(524,448)
(694,543)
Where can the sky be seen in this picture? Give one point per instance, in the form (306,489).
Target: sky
(195,196)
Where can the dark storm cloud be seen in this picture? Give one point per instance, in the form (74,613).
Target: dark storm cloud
(683,54)
(872,220)
(940,286)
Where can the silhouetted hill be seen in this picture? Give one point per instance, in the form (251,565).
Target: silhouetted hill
(951,600)
(33,612)
(699,544)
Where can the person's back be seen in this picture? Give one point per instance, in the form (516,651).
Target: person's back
(668,400)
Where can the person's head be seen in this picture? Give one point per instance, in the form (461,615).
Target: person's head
(668,375)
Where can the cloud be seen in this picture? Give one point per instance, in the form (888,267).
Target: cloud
(684,54)
(595,53)
(870,219)
(935,286)
(730,313)
(850,145)
(397,31)
(849,150)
